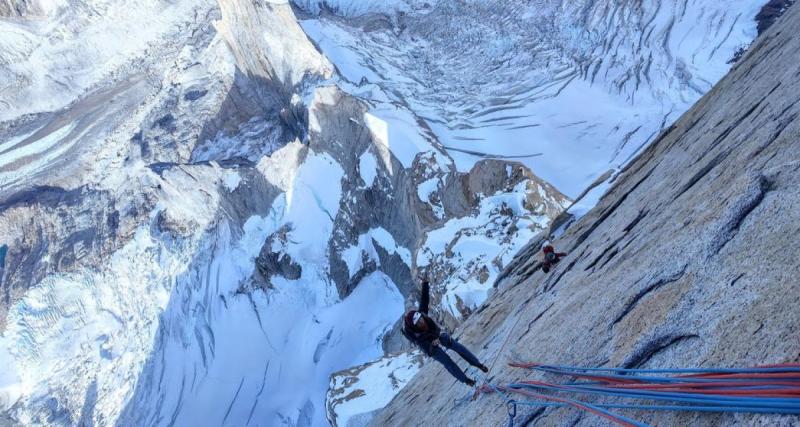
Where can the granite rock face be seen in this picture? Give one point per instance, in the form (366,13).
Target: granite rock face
(690,259)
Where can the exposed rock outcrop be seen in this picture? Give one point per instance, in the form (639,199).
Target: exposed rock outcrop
(689,260)
(18,8)
(355,394)
(273,260)
(770,13)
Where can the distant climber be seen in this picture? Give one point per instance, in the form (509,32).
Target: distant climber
(551,257)
(420,329)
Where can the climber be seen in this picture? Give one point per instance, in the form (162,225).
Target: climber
(420,329)
(551,257)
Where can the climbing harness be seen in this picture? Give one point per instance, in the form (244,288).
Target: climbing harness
(768,389)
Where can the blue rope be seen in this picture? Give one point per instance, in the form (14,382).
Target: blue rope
(686,401)
(667,380)
(588,405)
(689,408)
(773,403)
(652,394)
(609,413)
(671,371)
(791,402)
(461,401)
(512,412)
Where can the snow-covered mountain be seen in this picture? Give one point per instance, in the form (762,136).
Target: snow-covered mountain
(586,83)
(208,208)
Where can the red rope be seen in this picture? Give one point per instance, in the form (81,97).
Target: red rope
(788,386)
(738,384)
(569,402)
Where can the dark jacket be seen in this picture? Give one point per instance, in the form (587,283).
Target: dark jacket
(423,339)
(547,263)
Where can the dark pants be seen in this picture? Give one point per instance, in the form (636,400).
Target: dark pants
(441,356)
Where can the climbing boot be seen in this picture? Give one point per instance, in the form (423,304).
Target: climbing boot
(470,382)
(483,368)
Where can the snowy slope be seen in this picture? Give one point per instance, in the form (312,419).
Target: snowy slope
(354,394)
(71,46)
(585,83)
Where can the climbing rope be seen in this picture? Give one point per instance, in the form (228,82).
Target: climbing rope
(768,389)
(512,412)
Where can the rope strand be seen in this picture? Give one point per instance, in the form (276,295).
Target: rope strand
(768,389)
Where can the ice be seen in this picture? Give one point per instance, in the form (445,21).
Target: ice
(426,188)
(353,7)
(397,130)
(542,83)
(331,38)
(246,346)
(311,206)
(374,386)
(387,242)
(353,255)
(11,386)
(291,345)
(12,142)
(368,168)
(51,63)
(53,332)
(567,135)
(39,146)
(212,340)
(231,180)
(39,155)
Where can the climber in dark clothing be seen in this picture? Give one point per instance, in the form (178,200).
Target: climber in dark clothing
(551,257)
(420,329)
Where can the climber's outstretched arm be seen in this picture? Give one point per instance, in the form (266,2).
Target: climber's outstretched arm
(425,297)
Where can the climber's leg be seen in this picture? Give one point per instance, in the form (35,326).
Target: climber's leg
(462,351)
(442,357)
